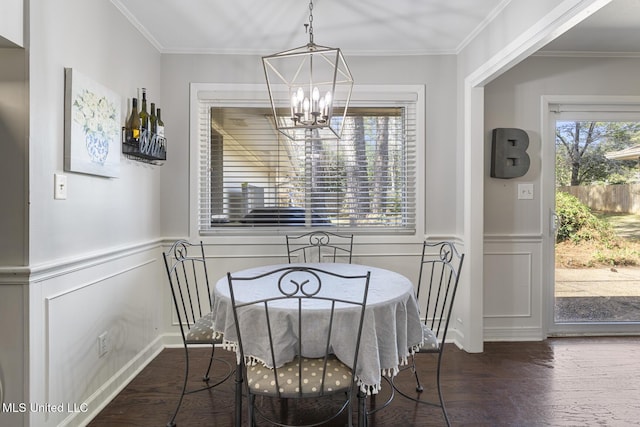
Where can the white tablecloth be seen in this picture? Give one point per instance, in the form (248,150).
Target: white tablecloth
(391,326)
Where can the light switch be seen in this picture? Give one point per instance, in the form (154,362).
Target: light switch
(525,191)
(60,186)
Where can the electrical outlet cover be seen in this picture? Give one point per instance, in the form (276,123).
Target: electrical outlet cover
(103,345)
(60,187)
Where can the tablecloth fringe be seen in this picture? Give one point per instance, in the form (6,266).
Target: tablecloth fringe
(252,361)
(248,360)
(229,345)
(368,389)
(415,349)
(391,372)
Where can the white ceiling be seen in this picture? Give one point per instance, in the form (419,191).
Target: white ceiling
(613,29)
(268,26)
(376,27)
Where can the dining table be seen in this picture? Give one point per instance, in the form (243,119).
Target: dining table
(391,331)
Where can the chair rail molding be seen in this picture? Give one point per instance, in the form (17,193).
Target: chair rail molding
(46,271)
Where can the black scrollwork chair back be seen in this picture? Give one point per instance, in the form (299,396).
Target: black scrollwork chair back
(437,285)
(294,296)
(189,282)
(320,246)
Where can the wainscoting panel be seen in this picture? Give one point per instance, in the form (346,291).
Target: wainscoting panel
(115,296)
(507,285)
(512,295)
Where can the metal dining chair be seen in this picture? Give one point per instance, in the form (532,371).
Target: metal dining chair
(440,267)
(189,282)
(286,371)
(320,246)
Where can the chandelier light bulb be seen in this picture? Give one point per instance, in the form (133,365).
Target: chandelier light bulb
(305,109)
(294,106)
(326,112)
(323,112)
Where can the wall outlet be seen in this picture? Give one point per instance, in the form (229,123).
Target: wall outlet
(60,186)
(103,344)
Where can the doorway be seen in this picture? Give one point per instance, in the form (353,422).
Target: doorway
(595,223)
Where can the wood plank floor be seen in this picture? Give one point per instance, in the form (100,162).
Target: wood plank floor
(558,382)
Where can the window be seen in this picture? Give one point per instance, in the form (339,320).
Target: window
(251,176)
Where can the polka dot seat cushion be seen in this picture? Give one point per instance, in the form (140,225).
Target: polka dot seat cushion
(430,344)
(202,331)
(338,378)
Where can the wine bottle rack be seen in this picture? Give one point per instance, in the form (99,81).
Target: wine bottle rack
(150,148)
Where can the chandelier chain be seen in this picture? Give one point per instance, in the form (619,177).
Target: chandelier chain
(310,22)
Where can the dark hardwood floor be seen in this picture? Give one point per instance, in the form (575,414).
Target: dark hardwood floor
(558,382)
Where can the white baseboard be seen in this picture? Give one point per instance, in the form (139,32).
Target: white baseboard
(513,334)
(103,396)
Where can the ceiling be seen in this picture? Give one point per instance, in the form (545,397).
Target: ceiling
(614,29)
(372,27)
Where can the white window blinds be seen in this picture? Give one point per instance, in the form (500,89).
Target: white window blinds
(252,176)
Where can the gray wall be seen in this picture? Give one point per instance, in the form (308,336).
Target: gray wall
(99,213)
(13,162)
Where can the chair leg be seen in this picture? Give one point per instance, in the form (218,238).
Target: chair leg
(206,375)
(251,400)
(419,387)
(444,410)
(172,422)
(284,407)
(238,395)
(362,409)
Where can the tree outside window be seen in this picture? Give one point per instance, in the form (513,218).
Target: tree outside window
(581,147)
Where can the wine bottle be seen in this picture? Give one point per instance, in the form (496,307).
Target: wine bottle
(144,116)
(132,127)
(153,120)
(159,123)
(128,132)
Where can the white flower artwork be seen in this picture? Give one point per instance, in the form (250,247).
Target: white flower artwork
(92,127)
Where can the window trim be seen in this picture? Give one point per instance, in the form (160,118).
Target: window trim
(256,94)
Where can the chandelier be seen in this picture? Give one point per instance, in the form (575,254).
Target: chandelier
(309,88)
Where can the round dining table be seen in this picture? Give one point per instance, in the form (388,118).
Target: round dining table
(390,331)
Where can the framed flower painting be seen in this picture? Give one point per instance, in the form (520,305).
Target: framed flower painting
(92,127)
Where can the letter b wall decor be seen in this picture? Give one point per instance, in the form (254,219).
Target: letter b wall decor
(509,158)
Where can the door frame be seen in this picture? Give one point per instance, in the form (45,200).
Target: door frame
(551,107)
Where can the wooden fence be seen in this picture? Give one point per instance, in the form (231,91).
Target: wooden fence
(624,198)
